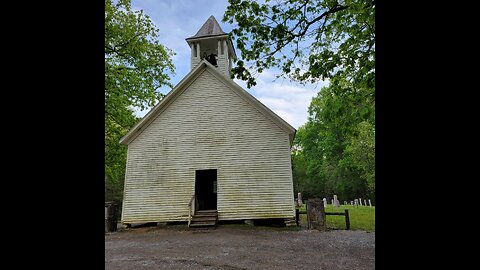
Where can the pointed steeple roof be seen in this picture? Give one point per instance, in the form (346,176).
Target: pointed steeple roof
(209,28)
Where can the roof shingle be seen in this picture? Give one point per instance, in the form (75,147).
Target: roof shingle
(209,28)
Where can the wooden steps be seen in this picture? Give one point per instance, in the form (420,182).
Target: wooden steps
(204,219)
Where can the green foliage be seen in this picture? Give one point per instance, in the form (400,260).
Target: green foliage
(136,65)
(360,154)
(307,40)
(337,143)
(299,170)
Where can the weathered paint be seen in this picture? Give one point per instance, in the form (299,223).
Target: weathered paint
(209,126)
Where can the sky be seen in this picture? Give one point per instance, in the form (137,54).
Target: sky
(179,19)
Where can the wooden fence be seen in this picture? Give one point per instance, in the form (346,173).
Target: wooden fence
(347,217)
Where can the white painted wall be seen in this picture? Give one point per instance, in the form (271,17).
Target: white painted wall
(209,126)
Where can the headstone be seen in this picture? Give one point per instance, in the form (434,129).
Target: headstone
(324,202)
(332,202)
(356,202)
(344,202)
(365,202)
(360,201)
(369,203)
(351,202)
(300,202)
(316,215)
(336,203)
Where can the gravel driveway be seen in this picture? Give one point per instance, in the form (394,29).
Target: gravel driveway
(235,247)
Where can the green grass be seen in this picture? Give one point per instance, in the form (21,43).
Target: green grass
(361,217)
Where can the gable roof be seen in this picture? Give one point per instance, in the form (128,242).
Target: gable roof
(209,28)
(185,82)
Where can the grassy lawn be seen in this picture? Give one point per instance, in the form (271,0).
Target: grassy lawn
(361,217)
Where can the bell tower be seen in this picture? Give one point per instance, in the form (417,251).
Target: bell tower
(212,44)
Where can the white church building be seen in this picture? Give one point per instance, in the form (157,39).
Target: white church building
(208,151)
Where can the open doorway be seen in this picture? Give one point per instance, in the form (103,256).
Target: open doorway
(206,189)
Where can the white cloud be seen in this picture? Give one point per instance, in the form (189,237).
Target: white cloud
(289,100)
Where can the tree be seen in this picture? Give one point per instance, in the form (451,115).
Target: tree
(337,142)
(307,40)
(136,65)
(360,154)
(299,169)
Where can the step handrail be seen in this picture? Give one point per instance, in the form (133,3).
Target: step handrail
(191,208)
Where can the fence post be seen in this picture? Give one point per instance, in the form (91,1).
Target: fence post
(297,216)
(306,210)
(110,217)
(347,219)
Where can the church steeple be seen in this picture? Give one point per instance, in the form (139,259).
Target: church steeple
(211,43)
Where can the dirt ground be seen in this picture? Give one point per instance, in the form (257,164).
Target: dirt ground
(238,247)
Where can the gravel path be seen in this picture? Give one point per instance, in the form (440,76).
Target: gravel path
(239,248)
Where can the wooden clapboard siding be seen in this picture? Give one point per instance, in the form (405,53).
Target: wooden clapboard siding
(209,126)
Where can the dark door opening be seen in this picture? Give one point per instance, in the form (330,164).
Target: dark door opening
(206,189)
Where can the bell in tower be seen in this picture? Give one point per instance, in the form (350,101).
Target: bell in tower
(213,45)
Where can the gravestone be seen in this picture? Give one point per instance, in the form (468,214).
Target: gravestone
(369,202)
(360,201)
(351,202)
(365,202)
(344,202)
(324,202)
(300,202)
(356,202)
(316,215)
(332,202)
(335,202)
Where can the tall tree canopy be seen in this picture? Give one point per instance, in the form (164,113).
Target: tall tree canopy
(136,65)
(308,40)
(337,144)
